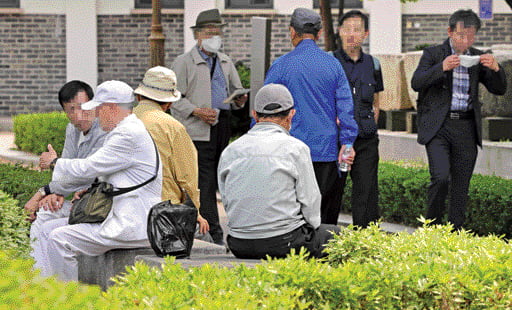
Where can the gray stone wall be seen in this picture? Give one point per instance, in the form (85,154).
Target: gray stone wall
(432,29)
(32,62)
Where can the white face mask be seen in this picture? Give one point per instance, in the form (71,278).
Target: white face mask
(212,44)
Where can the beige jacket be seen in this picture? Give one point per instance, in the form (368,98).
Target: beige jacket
(177,152)
(193,77)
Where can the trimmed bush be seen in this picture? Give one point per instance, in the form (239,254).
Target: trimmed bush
(33,132)
(14,228)
(22,289)
(403,192)
(21,183)
(367,269)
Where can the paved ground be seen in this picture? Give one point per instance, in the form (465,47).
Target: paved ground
(8,152)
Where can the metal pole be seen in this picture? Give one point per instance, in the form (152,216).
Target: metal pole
(156,38)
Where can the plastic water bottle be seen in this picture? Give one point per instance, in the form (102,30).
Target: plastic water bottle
(346,153)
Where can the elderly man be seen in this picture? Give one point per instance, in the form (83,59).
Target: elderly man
(449,112)
(322,96)
(268,187)
(83,137)
(206,77)
(127,158)
(156,94)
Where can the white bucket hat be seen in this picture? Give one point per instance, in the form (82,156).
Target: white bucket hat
(159,84)
(110,91)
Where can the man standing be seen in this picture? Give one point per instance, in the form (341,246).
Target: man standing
(322,96)
(365,77)
(268,187)
(127,158)
(206,77)
(83,137)
(156,94)
(449,113)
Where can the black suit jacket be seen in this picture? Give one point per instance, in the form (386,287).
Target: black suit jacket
(435,90)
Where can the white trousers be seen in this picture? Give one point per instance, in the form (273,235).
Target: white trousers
(61,243)
(43,217)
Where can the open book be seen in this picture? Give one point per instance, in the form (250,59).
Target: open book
(237,93)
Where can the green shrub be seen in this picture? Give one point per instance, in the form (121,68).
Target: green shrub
(14,228)
(21,183)
(367,269)
(403,189)
(33,132)
(22,289)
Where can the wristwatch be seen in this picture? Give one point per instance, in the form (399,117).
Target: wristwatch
(52,164)
(42,191)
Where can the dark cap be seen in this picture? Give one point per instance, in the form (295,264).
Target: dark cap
(207,18)
(272,99)
(306,19)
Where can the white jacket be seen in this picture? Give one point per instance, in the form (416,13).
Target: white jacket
(127,158)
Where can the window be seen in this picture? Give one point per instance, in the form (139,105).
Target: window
(9,3)
(249,4)
(348,4)
(166,4)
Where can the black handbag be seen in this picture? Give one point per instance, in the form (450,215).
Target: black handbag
(95,204)
(171,228)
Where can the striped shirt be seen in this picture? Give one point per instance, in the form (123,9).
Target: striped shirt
(460,87)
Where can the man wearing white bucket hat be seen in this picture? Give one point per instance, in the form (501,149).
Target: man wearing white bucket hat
(127,158)
(156,94)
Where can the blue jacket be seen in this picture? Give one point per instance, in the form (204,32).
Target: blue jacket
(321,93)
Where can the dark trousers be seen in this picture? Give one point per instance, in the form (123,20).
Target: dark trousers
(208,154)
(365,191)
(329,182)
(314,240)
(451,158)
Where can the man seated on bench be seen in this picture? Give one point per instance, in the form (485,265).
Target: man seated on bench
(84,136)
(128,158)
(268,185)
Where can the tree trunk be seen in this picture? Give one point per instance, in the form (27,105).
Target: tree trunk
(329,37)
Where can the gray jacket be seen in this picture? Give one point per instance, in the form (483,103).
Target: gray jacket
(193,81)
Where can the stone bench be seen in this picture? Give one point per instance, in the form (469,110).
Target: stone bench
(226,260)
(100,269)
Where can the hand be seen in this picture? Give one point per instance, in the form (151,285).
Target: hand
(78,194)
(52,202)
(240,100)
(488,60)
(451,62)
(207,115)
(204,227)
(32,206)
(47,157)
(350,159)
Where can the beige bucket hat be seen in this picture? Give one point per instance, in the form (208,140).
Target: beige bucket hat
(159,84)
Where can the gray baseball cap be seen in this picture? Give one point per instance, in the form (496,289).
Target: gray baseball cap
(306,19)
(272,99)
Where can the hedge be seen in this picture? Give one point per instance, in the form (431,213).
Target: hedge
(14,228)
(22,289)
(403,193)
(33,132)
(20,182)
(432,268)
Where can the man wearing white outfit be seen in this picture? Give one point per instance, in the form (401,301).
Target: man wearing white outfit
(127,158)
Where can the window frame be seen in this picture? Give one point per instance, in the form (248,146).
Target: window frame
(316,4)
(173,4)
(230,5)
(9,4)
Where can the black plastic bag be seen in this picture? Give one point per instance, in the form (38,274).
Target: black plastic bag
(171,228)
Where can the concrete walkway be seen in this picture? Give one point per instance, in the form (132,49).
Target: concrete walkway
(8,152)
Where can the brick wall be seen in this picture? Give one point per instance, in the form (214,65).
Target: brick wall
(123,46)
(432,30)
(32,62)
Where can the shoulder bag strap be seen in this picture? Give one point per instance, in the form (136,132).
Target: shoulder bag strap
(125,190)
